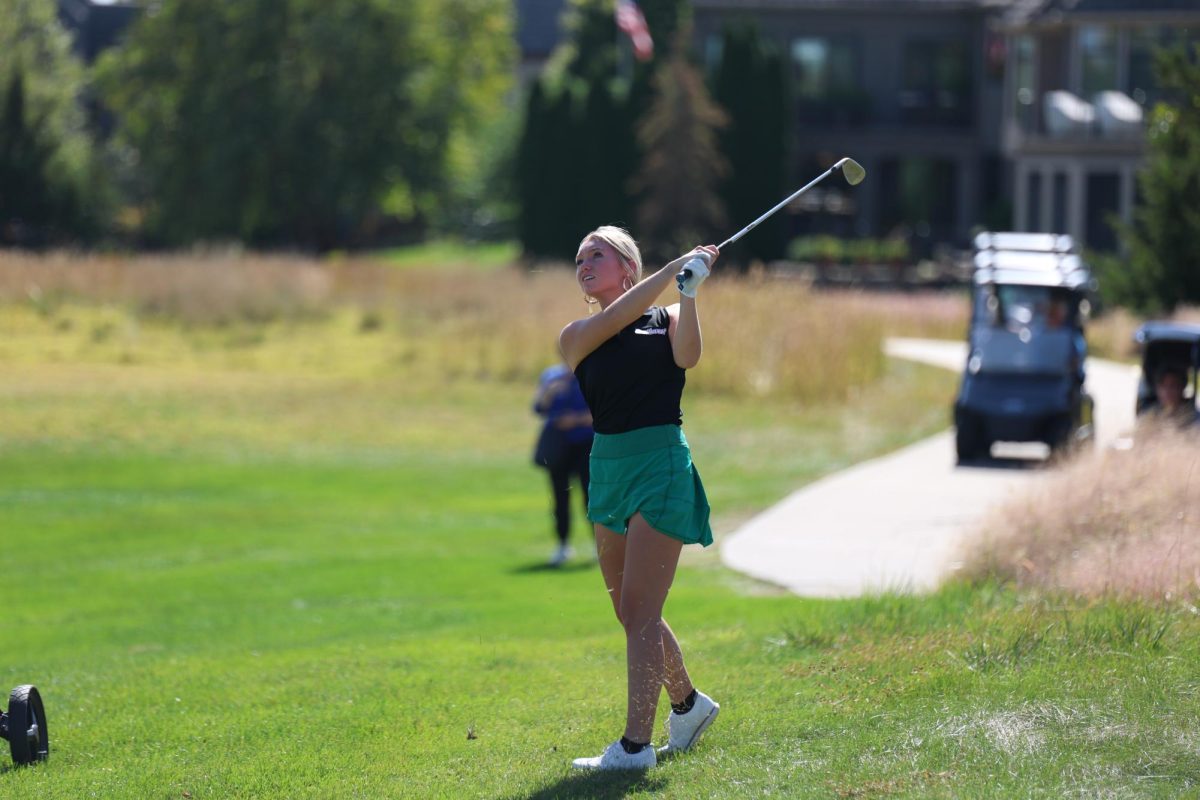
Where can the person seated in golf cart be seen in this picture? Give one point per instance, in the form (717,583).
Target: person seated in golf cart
(1171,406)
(1170,362)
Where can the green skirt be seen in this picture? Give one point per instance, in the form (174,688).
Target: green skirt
(648,470)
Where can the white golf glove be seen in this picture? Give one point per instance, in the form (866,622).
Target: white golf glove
(693,273)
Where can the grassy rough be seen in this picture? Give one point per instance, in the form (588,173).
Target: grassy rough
(263,560)
(1122,522)
(767,338)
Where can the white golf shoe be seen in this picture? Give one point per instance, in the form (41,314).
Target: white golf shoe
(615,757)
(561,555)
(684,729)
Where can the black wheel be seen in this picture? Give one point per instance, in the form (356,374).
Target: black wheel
(968,440)
(28,736)
(1060,436)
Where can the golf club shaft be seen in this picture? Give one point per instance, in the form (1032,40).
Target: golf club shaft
(780,205)
(686,273)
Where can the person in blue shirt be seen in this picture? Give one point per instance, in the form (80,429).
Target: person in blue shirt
(564,446)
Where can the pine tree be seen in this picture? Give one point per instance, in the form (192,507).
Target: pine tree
(579,174)
(681,165)
(51,188)
(531,171)
(749,85)
(26,200)
(1163,242)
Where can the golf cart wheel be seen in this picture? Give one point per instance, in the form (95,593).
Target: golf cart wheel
(1061,437)
(28,736)
(968,442)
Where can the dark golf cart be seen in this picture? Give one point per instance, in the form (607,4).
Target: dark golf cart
(24,726)
(1163,344)
(1023,380)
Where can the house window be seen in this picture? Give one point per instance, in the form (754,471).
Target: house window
(1099,69)
(1058,212)
(920,196)
(936,83)
(825,80)
(1140,83)
(714,51)
(1024,85)
(1103,203)
(1033,203)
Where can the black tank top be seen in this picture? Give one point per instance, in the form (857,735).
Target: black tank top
(631,381)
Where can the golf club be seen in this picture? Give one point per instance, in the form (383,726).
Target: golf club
(851,170)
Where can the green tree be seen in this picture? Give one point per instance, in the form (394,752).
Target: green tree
(682,165)
(296,120)
(749,85)
(50,188)
(579,151)
(477,47)
(576,175)
(548,176)
(24,159)
(1163,240)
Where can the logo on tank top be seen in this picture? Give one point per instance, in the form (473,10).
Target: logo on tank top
(650,331)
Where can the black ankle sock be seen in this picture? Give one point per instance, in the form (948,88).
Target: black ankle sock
(632,747)
(686,705)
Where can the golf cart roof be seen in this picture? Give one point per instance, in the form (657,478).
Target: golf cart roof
(1156,331)
(1030,259)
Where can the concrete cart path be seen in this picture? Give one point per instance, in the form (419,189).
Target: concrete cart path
(898,522)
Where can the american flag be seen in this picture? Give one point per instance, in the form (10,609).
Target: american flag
(630,20)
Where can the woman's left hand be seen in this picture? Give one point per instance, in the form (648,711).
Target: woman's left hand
(696,267)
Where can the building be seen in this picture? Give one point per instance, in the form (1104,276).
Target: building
(1078,89)
(1023,114)
(912,89)
(539,30)
(96,24)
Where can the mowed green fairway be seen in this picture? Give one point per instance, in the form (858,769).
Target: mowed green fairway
(234,585)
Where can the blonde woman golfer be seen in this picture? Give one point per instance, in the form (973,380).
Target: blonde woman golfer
(646,499)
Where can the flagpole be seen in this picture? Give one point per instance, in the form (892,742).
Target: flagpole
(631,22)
(624,52)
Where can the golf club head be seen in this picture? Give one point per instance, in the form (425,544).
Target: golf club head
(852,171)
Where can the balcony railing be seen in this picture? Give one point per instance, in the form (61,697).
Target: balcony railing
(1110,116)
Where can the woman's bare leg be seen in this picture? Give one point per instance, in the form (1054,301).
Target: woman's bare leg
(650,562)
(611,550)
(676,680)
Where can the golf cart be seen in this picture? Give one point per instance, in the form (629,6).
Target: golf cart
(1023,380)
(1163,344)
(24,726)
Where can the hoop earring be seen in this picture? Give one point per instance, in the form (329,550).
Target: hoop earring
(630,286)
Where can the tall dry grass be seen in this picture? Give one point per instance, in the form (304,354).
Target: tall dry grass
(763,336)
(1111,335)
(212,287)
(1113,522)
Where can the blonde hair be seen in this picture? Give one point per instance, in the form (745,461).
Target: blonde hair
(621,241)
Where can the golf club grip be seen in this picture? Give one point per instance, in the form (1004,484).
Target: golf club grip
(684,274)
